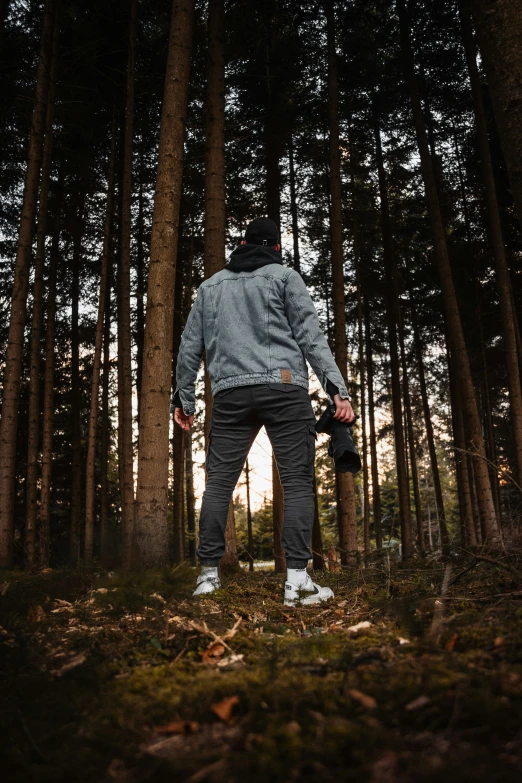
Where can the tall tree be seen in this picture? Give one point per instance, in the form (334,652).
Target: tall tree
(33,435)
(17,318)
(454,326)
(499,35)
(346,490)
(124,308)
(151,526)
(76,436)
(439,502)
(97,359)
(376,495)
(392,312)
(44,529)
(496,239)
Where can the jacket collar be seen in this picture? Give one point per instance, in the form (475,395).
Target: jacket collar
(246,258)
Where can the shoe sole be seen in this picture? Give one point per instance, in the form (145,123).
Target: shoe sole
(306,601)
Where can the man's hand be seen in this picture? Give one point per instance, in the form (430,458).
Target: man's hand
(184,421)
(343,410)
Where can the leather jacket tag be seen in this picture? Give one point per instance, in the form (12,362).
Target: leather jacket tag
(286,376)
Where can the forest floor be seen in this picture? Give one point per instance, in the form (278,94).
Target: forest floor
(403,676)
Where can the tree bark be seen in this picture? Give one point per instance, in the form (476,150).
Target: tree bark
(140,289)
(124,310)
(151,526)
(362,368)
(441,516)
(278,517)
(96,365)
(76,438)
(43,539)
(376,494)
(293,207)
(346,494)
(392,312)
(496,238)
(249,520)
(18,314)
(105,426)
(499,34)
(411,441)
(33,436)
(178,440)
(454,325)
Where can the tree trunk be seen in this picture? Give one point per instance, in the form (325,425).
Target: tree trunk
(497,239)
(140,289)
(178,440)
(491,450)
(392,311)
(362,368)
(189,493)
(499,34)
(346,494)
(33,436)
(96,365)
(43,539)
(151,525)
(429,432)
(105,426)
(124,311)
(411,439)
(17,318)
(76,437)
(454,325)
(293,207)
(278,517)
(376,494)
(214,240)
(249,519)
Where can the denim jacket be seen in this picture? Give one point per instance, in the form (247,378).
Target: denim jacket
(256,326)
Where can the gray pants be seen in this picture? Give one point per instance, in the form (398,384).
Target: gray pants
(237,416)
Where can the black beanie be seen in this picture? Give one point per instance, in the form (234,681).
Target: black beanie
(262,231)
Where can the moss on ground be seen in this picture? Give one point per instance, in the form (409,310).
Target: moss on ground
(117,677)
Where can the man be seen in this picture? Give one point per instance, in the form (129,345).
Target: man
(258,325)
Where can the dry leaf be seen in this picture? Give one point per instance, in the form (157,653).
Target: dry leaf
(177,727)
(233,661)
(76,661)
(4,588)
(450,644)
(499,641)
(213,652)
(359,626)
(402,640)
(35,614)
(158,597)
(367,701)
(46,570)
(384,770)
(418,703)
(223,709)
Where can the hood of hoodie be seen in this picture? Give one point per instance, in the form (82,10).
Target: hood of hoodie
(246,258)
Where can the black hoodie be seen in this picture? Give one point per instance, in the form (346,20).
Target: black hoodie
(246,258)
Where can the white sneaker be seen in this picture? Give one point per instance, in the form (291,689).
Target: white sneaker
(309,593)
(207,584)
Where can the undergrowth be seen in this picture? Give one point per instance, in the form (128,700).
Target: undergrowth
(128,678)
